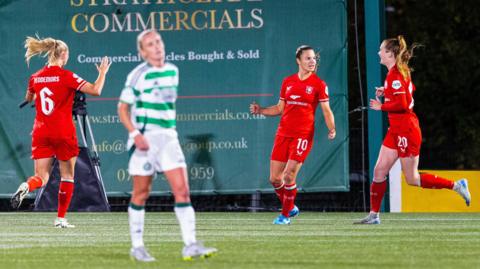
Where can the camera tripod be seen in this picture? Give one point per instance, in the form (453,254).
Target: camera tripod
(81,115)
(89,194)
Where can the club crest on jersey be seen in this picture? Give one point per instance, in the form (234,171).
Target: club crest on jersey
(294,97)
(309,89)
(396,84)
(147,166)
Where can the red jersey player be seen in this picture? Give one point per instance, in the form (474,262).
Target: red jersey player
(299,97)
(403,138)
(53,89)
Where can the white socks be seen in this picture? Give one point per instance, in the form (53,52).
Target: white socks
(186,218)
(136,220)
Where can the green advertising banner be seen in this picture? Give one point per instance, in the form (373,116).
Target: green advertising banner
(229,53)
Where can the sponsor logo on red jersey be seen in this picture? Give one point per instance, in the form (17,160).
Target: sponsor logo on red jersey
(294,96)
(301,100)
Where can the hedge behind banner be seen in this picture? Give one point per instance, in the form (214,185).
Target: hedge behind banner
(229,54)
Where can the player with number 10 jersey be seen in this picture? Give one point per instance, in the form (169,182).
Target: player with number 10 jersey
(299,98)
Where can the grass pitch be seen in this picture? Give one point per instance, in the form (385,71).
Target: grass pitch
(245,240)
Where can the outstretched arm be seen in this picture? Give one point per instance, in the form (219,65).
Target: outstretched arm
(274,110)
(95,89)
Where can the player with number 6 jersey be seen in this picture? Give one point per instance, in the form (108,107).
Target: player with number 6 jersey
(299,97)
(53,89)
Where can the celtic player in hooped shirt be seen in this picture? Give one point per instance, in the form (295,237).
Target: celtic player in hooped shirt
(403,138)
(299,97)
(147,110)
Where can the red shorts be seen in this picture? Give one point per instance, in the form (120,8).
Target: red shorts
(291,148)
(407,143)
(62,148)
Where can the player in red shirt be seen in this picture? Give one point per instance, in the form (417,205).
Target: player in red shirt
(299,97)
(53,89)
(403,138)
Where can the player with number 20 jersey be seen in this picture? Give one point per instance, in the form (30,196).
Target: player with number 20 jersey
(403,139)
(404,133)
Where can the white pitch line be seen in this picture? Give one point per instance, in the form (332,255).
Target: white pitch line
(301,219)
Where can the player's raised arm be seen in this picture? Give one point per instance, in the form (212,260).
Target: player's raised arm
(96,88)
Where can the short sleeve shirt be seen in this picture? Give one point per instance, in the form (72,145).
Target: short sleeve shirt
(301,100)
(54,88)
(152,93)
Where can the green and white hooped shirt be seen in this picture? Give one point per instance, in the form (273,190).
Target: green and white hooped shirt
(152,92)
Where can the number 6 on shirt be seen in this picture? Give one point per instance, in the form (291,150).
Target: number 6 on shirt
(46,102)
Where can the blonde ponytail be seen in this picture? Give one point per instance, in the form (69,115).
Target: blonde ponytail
(44,47)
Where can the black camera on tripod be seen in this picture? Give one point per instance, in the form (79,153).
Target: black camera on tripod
(79,104)
(79,112)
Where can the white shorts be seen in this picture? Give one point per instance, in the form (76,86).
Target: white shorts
(164,154)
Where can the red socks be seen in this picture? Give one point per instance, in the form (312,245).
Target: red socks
(279,190)
(286,194)
(34,182)
(377,191)
(289,195)
(429,181)
(65,193)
